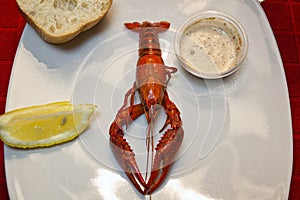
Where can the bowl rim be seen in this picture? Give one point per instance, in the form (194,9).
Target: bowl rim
(191,19)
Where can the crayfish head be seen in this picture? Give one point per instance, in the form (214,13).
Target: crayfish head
(152,98)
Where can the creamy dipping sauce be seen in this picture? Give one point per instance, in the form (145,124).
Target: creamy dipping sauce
(211,46)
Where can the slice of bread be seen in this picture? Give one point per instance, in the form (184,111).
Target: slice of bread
(58,21)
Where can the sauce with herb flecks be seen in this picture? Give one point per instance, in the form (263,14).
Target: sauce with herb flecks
(210,46)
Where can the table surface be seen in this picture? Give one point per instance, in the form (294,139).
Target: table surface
(283,15)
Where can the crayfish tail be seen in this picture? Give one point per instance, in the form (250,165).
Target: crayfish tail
(136,26)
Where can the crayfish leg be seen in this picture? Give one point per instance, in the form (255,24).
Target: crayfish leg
(130,93)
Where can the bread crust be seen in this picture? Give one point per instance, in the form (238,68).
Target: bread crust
(66,36)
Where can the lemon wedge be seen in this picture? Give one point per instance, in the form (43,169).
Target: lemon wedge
(44,125)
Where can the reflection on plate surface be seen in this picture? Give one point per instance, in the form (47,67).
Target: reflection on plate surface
(238,142)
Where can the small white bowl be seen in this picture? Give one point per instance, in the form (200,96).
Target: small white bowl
(211,44)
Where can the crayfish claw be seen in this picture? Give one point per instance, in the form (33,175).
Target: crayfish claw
(156,179)
(166,151)
(126,159)
(137,180)
(120,147)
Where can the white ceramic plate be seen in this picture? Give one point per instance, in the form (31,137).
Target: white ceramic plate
(238,137)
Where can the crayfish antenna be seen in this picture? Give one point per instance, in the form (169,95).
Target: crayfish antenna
(150,147)
(150,138)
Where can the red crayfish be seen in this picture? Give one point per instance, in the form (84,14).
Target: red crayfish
(152,77)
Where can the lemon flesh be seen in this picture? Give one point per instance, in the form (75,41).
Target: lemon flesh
(44,125)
